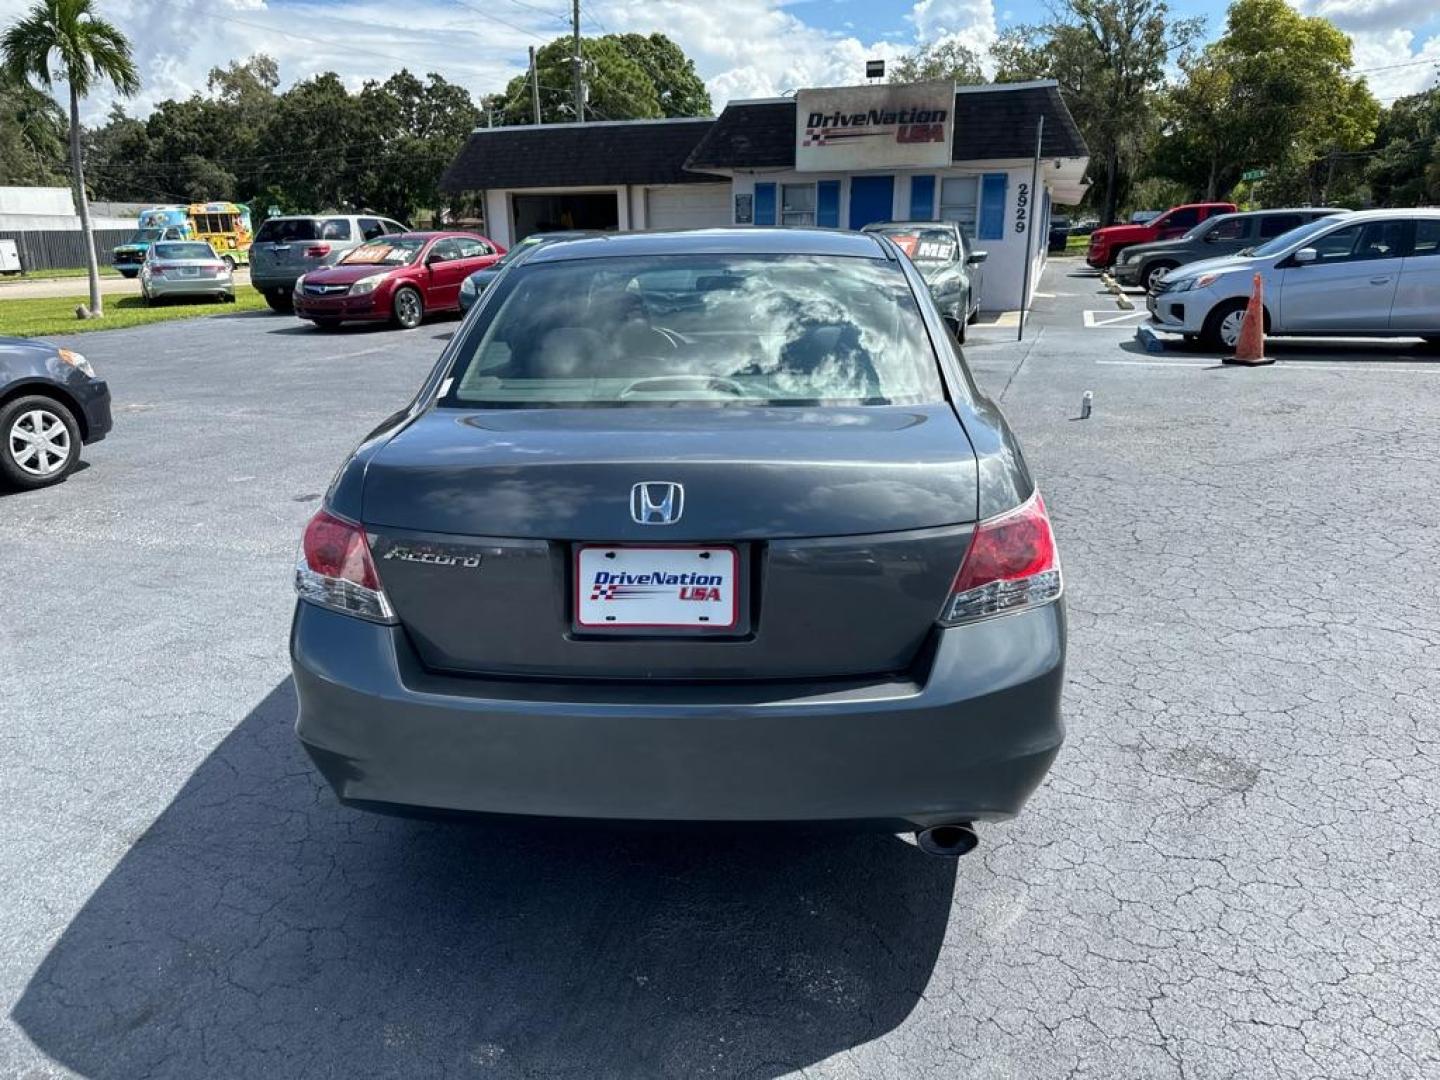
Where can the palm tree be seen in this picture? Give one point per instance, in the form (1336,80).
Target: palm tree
(64,39)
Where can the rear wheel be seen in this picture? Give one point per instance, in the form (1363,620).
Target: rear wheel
(407,308)
(229,261)
(41,442)
(279,300)
(1154,272)
(1222,328)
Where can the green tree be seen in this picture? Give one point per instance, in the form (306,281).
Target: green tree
(1109,57)
(32,135)
(65,39)
(1405,170)
(628,77)
(1272,93)
(941,60)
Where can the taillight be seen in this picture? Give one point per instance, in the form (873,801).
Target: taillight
(1012,563)
(337,572)
(317,251)
(156,270)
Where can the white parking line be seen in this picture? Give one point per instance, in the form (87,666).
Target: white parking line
(1096,320)
(1283,365)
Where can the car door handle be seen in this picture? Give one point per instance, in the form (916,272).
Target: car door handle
(1379,280)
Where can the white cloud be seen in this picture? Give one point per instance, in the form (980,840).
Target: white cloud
(1391,67)
(1369,14)
(742,48)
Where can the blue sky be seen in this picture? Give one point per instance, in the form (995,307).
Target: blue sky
(742,48)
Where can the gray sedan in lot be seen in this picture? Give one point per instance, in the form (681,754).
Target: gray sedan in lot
(185,268)
(690,527)
(949,263)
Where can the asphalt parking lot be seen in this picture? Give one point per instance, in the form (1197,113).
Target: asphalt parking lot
(1232,871)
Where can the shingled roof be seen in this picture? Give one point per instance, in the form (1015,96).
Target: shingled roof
(990,122)
(578,155)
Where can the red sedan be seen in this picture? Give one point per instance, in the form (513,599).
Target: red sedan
(398,278)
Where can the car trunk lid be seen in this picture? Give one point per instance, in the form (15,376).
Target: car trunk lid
(847,526)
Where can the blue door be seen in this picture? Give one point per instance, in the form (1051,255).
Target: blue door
(872,198)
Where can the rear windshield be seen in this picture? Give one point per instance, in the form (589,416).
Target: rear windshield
(145,236)
(699,329)
(384,252)
(923,245)
(183,251)
(284,230)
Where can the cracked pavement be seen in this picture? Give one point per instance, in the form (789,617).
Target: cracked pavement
(1232,871)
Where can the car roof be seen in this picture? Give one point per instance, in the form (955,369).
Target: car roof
(733,240)
(876,225)
(1319,211)
(1382,215)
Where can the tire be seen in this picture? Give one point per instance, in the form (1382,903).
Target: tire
(279,301)
(28,463)
(1150,275)
(1222,325)
(406,308)
(327,324)
(229,262)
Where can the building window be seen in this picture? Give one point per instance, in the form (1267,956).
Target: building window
(797,204)
(959,200)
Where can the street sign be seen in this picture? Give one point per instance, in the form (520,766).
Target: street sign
(1253,174)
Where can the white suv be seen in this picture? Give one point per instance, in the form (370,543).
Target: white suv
(1371,274)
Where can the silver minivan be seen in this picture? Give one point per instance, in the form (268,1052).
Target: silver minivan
(286,247)
(1375,273)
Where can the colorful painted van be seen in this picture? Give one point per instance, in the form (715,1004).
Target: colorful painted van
(224,225)
(156,223)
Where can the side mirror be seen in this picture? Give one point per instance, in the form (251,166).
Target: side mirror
(433,258)
(1305,255)
(977,257)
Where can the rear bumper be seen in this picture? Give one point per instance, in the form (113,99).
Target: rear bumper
(211,286)
(969,739)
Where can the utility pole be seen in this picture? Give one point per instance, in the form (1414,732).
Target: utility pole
(575,61)
(534,88)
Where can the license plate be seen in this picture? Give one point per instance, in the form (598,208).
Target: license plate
(657,587)
(188,271)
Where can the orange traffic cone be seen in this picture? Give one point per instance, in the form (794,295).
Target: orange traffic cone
(1250,348)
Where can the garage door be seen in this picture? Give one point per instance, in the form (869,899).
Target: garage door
(687,206)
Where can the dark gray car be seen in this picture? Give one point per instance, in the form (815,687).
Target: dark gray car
(707,526)
(51,404)
(1224,234)
(949,263)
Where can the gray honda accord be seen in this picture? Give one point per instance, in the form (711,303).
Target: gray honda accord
(695,526)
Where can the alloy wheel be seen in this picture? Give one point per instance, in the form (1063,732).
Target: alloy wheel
(39,442)
(407,308)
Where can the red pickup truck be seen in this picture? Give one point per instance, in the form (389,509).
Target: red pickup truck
(1107,243)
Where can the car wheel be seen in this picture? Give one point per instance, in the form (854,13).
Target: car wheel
(41,442)
(407,308)
(1222,328)
(1154,272)
(328,324)
(279,301)
(229,262)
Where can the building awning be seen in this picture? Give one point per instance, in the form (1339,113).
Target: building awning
(599,154)
(992,122)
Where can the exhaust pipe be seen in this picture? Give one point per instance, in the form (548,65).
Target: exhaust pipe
(947,841)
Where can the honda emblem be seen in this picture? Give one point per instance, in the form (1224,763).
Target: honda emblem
(656,502)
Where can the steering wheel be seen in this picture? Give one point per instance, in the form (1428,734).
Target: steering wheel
(653,384)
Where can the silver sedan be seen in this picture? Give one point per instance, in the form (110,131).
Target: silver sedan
(185,268)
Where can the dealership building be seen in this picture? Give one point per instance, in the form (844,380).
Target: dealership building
(835,157)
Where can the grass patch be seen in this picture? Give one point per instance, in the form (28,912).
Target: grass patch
(64,272)
(50,316)
(1077,245)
